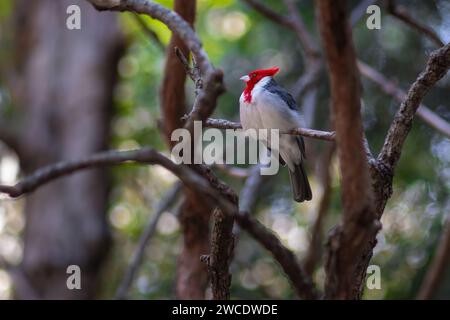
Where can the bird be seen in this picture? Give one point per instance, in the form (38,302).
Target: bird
(264,104)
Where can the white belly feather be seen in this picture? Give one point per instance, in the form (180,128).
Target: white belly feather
(262,113)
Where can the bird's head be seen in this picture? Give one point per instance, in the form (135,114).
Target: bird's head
(255,76)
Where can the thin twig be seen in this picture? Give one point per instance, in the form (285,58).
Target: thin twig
(130,273)
(359,11)
(269,13)
(233,171)
(285,257)
(152,35)
(315,245)
(250,192)
(193,72)
(437,269)
(392,89)
(402,14)
(113,157)
(298,26)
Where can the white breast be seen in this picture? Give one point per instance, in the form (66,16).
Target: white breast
(250,115)
(262,113)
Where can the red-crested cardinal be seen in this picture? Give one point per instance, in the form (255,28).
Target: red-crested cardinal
(264,104)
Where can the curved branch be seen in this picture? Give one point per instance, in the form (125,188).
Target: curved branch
(293,22)
(402,14)
(437,67)
(173,21)
(285,257)
(144,156)
(201,180)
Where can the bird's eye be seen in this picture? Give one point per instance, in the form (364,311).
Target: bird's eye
(252,75)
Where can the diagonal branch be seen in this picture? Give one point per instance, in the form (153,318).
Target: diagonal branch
(144,241)
(437,67)
(152,35)
(383,168)
(436,271)
(285,257)
(293,22)
(315,246)
(359,11)
(389,87)
(220,194)
(269,13)
(402,14)
(146,155)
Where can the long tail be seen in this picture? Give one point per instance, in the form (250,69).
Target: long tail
(300,184)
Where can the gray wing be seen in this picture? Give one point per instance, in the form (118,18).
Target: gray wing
(273,87)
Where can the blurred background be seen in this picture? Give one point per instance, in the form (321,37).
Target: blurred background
(65,94)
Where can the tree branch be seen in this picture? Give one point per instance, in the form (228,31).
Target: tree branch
(315,246)
(293,22)
(285,257)
(437,66)
(152,35)
(390,88)
(206,100)
(222,246)
(298,26)
(220,194)
(269,13)
(348,239)
(137,257)
(173,21)
(436,270)
(144,156)
(382,169)
(402,14)
(359,11)
(193,72)
(310,133)
(250,191)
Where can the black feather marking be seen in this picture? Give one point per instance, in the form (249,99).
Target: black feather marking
(273,87)
(301,145)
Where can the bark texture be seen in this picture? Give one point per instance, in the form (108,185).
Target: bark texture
(358,224)
(191,272)
(64,95)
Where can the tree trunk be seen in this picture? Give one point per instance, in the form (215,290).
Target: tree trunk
(191,273)
(66,80)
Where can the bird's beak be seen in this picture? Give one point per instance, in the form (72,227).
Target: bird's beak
(245,78)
